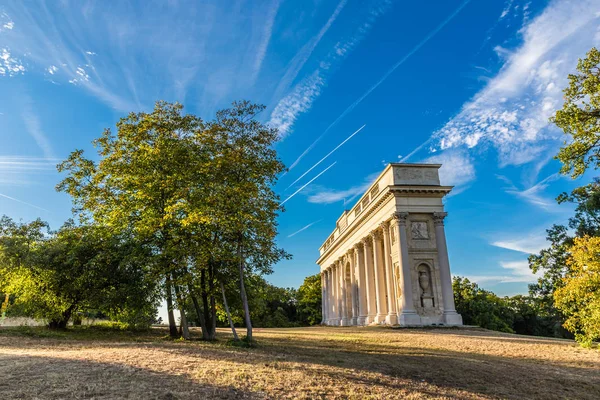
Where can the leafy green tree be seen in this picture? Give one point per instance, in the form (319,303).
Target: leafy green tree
(580,117)
(553,261)
(309,300)
(244,203)
(55,275)
(480,307)
(579,296)
(143,183)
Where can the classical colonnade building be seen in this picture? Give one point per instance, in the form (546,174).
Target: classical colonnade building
(386,262)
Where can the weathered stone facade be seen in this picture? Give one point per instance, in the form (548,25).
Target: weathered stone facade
(386,262)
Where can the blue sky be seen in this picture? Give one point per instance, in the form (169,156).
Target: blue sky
(469,84)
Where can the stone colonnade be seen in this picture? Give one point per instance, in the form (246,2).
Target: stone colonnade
(362,287)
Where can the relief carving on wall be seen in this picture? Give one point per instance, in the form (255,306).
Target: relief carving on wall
(419,230)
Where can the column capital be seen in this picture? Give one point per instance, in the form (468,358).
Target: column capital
(438,218)
(385,227)
(358,246)
(376,234)
(367,241)
(400,217)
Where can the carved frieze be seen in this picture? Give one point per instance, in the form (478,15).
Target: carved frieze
(416,176)
(419,230)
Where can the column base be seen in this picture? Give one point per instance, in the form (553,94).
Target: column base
(370,319)
(409,318)
(380,318)
(362,320)
(452,318)
(391,319)
(345,322)
(354,321)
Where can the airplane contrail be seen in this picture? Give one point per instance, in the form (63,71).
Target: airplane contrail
(304,228)
(308,183)
(387,74)
(22,202)
(328,154)
(419,147)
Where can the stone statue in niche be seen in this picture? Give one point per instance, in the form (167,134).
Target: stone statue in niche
(419,230)
(425,284)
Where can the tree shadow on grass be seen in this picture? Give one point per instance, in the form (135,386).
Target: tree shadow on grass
(381,370)
(36,377)
(450,371)
(477,373)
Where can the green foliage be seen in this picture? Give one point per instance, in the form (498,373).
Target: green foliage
(309,300)
(580,117)
(579,296)
(197,194)
(480,307)
(54,275)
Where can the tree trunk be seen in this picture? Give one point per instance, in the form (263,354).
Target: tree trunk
(235,335)
(213,303)
(4,306)
(243,295)
(199,312)
(210,333)
(185,332)
(63,320)
(172,324)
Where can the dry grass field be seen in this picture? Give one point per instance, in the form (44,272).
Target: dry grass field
(336,363)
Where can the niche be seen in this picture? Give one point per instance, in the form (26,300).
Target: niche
(425,286)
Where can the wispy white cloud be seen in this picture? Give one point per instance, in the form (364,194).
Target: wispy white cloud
(305,52)
(127,56)
(303,228)
(511,112)
(381,80)
(535,194)
(457,169)
(9,65)
(297,102)
(6,24)
(34,128)
(516,272)
(303,94)
(20,171)
(328,196)
(261,51)
(528,244)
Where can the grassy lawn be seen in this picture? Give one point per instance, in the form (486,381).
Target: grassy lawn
(294,363)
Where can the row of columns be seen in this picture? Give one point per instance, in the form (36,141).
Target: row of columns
(359,289)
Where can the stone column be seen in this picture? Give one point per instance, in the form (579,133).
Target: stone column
(378,265)
(362,287)
(329,296)
(334,305)
(323,301)
(392,317)
(331,291)
(345,321)
(369,280)
(408,315)
(451,317)
(353,287)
